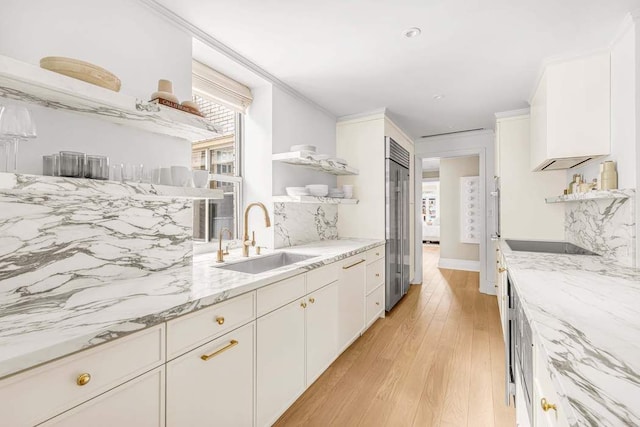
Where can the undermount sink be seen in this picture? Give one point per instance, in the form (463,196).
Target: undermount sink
(548,247)
(266,263)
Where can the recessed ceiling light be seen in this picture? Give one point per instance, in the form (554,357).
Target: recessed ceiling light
(438,97)
(412,32)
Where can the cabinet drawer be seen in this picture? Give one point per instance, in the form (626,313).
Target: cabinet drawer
(375,275)
(322,276)
(138,402)
(544,389)
(192,330)
(217,391)
(375,305)
(375,254)
(51,389)
(280,293)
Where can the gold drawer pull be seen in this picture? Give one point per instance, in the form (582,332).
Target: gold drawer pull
(377,253)
(220,320)
(83,379)
(346,267)
(377,303)
(502,270)
(377,274)
(206,357)
(546,405)
(312,300)
(303,304)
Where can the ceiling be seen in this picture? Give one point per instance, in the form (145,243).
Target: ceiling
(350,56)
(431,164)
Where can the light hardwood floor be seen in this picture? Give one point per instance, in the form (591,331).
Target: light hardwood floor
(436,360)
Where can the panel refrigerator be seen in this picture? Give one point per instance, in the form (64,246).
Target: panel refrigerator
(396,222)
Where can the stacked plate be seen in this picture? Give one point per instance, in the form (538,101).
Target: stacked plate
(318,190)
(297,191)
(311,148)
(336,193)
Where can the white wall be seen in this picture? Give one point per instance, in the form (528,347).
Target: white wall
(257,160)
(451,170)
(623,112)
(122,36)
(470,143)
(296,122)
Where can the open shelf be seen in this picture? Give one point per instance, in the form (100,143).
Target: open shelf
(41,184)
(305,159)
(591,195)
(314,199)
(24,82)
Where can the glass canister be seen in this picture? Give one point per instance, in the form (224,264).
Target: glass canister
(51,165)
(72,164)
(97,167)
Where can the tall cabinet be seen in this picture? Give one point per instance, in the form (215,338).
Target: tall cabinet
(523,211)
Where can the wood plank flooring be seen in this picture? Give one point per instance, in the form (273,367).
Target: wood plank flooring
(436,360)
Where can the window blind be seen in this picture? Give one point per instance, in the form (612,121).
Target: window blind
(211,84)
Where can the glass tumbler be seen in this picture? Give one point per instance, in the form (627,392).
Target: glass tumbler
(72,164)
(51,165)
(97,167)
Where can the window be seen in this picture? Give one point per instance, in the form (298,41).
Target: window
(221,157)
(223,101)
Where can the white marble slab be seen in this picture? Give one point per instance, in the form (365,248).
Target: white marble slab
(299,223)
(37,328)
(604,226)
(585,311)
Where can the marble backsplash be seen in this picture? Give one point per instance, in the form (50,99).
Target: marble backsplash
(604,226)
(300,223)
(65,233)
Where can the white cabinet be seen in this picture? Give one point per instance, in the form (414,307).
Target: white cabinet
(523,211)
(547,411)
(501,293)
(41,393)
(139,402)
(351,295)
(280,366)
(213,384)
(322,330)
(570,113)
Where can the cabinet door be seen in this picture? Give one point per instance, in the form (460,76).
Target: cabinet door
(139,402)
(322,330)
(351,296)
(217,391)
(280,360)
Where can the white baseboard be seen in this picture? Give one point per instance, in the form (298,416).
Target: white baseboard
(459,264)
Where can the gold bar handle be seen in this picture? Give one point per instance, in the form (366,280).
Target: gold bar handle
(346,267)
(206,357)
(501,270)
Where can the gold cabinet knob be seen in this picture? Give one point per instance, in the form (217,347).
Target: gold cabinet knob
(83,379)
(377,274)
(312,300)
(502,270)
(220,320)
(377,303)
(377,253)
(303,304)
(546,405)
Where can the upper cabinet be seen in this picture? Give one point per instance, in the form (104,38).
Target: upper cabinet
(570,113)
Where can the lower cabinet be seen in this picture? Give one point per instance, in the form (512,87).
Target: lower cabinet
(322,330)
(139,402)
(280,367)
(213,384)
(351,296)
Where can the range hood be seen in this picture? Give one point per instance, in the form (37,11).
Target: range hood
(564,163)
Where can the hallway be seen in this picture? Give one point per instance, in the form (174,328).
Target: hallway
(436,360)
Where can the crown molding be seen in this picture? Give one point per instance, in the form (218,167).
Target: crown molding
(456,135)
(512,114)
(204,37)
(376,114)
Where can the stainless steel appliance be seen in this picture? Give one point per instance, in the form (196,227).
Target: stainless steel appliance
(547,246)
(397,222)
(518,350)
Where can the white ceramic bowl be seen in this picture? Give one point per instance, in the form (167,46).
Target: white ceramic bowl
(180,176)
(200,178)
(297,191)
(303,148)
(318,190)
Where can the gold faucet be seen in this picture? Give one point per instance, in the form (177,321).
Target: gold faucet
(221,253)
(245,238)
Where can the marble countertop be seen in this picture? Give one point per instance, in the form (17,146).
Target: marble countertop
(585,312)
(39,328)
